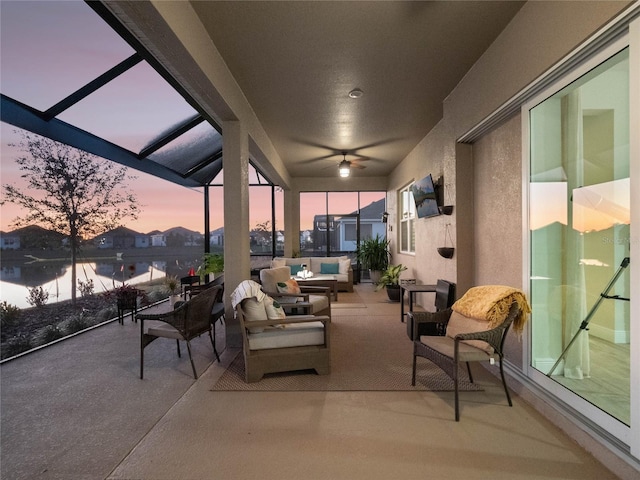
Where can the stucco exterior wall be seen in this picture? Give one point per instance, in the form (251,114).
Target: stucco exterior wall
(484,180)
(485,183)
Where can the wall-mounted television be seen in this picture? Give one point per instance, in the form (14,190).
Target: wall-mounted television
(424,194)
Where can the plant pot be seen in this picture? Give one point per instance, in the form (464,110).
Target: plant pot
(375,275)
(127,300)
(173,299)
(446,252)
(393,292)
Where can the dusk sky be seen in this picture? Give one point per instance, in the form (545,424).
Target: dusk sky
(50,49)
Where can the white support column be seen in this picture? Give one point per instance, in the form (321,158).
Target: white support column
(237,258)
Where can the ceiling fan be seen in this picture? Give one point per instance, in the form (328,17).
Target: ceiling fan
(344,167)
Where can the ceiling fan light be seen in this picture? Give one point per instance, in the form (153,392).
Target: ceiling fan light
(344,169)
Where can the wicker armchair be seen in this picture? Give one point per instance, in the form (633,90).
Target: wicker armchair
(314,300)
(448,351)
(445,296)
(186,322)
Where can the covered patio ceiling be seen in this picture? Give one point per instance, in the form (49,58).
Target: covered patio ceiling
(70,72)
(77,72)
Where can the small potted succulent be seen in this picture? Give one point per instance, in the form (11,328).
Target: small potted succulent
(172,284)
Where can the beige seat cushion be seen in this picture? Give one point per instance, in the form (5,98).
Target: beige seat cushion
(445,345)
(296,335)
(161,329)
(318,302)
(459,323)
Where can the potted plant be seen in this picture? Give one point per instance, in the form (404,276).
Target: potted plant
(211,263)
(172,284)
(373,254)
(127,299)
(391,280)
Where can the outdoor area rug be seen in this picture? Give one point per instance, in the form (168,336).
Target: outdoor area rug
(368,353)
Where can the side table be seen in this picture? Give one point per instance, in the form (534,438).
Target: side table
(412,290)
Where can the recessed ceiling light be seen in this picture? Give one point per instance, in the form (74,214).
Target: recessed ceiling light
(355,93)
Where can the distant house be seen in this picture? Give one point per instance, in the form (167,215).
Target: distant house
(32,237)
(216,238)
(158,239)
(120,237)
(9,241)
(341,230)
(143,241)
(183,237)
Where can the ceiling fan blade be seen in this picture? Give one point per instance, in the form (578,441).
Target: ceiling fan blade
(317,159)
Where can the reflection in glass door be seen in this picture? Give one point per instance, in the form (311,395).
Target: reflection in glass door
(580,234)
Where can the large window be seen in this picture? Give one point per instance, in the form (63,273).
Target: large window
(407,220)
(580,237)
(329,221)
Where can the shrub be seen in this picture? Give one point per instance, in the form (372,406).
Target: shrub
(9,315)
(37,297)
(47,334)
(156,294)
(16,345)
(75,324)
(86,288)
(106,314)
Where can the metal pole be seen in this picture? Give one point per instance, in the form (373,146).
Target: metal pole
(585,322)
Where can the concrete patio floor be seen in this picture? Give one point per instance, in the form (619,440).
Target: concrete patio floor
(78,410)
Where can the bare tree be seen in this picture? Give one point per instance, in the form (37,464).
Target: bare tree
(80,195)
(263,233)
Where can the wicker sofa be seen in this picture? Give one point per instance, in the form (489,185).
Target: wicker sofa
(321,266)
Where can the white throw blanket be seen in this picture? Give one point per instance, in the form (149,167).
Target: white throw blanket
(247,289)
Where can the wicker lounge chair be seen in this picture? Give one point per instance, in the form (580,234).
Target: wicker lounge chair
(303,343)
(187,321)
(449,350)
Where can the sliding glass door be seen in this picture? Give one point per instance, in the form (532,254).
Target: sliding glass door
(579,223)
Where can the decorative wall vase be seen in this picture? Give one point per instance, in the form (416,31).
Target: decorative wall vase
(446,209)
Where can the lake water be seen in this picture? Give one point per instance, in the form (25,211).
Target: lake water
(55,278)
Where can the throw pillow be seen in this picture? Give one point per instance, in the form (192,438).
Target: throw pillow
(290,286)
(295,269)
(329,268)
(345,265)
(254,311)
(274,309)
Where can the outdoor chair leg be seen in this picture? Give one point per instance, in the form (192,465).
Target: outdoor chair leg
(455,382)
(178,344)
(504,384)
(469,372)
(213,341)
(193,366)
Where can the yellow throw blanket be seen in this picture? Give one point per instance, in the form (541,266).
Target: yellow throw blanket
(492,303)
